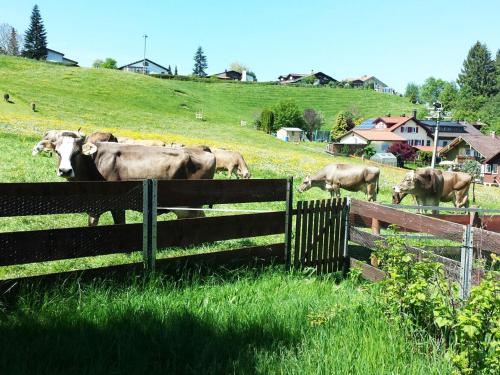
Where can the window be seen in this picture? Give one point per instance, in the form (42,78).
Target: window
(494,168)
(402,129)
(428,143)
(416,129)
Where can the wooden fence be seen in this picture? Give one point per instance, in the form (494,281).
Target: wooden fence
(146,196)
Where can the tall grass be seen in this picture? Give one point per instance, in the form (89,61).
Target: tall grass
(239,322)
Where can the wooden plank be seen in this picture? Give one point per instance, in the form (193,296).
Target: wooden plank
(189,232)
(298,230)
(326,240)
(338,235)
(315,237)
(303,236)
(486,240)
(369,272)
(22,199)
(68,243)
(321,237)
(333,235)
(201,192)
(420,223)
(310,233)
(491,223)
(261,255)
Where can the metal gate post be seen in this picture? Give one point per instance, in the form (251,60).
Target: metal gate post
(346,261)
(149,204)
(288,222)
(466,259)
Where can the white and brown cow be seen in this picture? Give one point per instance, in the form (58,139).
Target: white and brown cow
(349,177)
(232,162)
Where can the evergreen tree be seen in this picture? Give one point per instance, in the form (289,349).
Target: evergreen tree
(478,72)
(169,70)
(175,71)
(343,123)
(412,92)
(13,43)
(200,63)
(35,40)
(448,95)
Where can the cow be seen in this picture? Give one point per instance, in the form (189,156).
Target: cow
(334,177)
(455,189)
(50,137)
(232,162)
(110,161)
(142,142)
(425,184)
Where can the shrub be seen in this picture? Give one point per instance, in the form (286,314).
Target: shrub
(403,152)
(267,121)
(424,157)
(369,151)
(418,292)
(313,120)
(343,123)
(287,114)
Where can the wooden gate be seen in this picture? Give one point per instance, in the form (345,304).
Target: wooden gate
(321,235)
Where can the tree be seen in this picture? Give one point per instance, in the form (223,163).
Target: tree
(478,72)
(175,71)
(200,63)
(412,92)
(13,45)
(430,90)
(267,121)
(108,63)
(473,168)
(468,105)
(369,151)
(449,95)
(238,67)
(313,120)
(287,114)
(169,70)
(35,40)
(403,152)
(343,123)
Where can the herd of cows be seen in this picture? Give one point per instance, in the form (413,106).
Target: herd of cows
(104,157)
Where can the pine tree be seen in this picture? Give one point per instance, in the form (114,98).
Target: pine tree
(412,92)
(35,40)
(169,70)
(175,71)
(13,43)
(200,63)
(478,72)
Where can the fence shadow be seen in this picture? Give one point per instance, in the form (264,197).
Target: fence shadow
(135,342)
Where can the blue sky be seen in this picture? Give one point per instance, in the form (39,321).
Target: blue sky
(398,41)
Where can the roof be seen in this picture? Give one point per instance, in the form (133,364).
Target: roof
(300,76)
(73,61)
(364,78)
(492,157)
(141,60)
(291,129)
(392,123)
(467,127)
(376,135)
(53,50)
(224,74)
(427,148)
(486,145)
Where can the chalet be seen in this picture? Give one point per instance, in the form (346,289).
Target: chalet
(449,130)
(290,134)
(380,140)
(482,148)
(367,80)
(145,66)
(58,57)
(320,78)
(233,75)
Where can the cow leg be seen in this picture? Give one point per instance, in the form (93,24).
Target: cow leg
(93,219)
(371,192)
(118,216)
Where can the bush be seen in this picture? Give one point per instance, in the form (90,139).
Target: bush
(403,152)
(419,293)
(369,151)
(424,157)
(267,121)
(313,120)
(287,114)
(343,123)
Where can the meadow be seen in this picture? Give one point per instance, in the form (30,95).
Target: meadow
(242,321)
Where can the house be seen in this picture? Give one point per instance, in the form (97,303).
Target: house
(491,172)
(233,75)
(58,57)
(483,148)
(290,134)
(319,78)
(366,80)
(380,140)
(449,130)
(145,66)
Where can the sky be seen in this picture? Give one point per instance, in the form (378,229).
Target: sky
(397,41)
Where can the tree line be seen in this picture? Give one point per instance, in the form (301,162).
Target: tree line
(474,96)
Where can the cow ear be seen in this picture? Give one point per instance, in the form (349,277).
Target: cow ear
(89,148)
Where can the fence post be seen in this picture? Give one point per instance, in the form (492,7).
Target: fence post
(466,259)
(288,222)
(346,261)
(149,204)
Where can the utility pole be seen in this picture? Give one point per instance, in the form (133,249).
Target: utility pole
(144,60)
(437,115)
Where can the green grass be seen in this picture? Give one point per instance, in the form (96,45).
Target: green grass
(242,322)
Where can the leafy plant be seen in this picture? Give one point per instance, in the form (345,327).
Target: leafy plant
(403,152)
(287,114)
(267,120)
(313,120)
(369,151)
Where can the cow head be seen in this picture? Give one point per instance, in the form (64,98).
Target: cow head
(397,195)
(407,185)
(44,147)
(306,184)
(69,148)
(243,173)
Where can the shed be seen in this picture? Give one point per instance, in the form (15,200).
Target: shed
(289,134)
(385,158)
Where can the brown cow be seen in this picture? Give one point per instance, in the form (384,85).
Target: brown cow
(141,142)
(334,177)
(425,184)
(49,137)
(232,162)
(109,161)
(455,189)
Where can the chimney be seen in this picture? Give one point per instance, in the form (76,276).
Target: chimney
(244,75)
(414,113)
(493,135)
